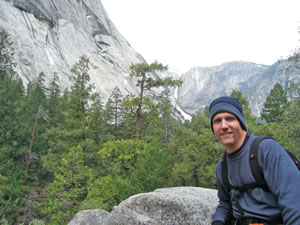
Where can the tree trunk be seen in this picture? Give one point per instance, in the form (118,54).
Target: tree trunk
(30,147)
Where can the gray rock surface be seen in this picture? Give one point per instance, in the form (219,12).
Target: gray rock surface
(90,217)
(51,35)
(203,84)
(166,206)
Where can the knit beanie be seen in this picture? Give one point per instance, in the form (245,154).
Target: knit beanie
(227,104)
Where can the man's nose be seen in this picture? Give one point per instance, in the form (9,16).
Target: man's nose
(224,124)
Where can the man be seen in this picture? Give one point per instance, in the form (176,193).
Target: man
(278,205)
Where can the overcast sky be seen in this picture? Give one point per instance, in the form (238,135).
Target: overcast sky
(189,33)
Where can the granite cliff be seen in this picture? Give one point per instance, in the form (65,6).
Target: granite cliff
(51,35)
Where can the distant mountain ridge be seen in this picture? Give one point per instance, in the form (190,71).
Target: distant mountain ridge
(202,84)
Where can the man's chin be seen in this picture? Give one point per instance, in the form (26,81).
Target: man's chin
(227,140)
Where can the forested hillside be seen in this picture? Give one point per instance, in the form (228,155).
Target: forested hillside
(63,151)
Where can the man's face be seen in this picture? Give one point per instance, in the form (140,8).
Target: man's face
(228,130)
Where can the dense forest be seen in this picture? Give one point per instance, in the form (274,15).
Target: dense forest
(63,151)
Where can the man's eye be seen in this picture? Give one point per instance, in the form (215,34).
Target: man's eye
(230,119)
(217,121)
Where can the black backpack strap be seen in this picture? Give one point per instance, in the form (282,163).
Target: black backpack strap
(294,158)
(224,171)
(254,166)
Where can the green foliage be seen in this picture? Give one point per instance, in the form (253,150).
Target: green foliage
(196,155)
(4,221)
(72,128)
(69,187)
(12,136)
(275,104)
(6,55)
(291,120)
(122,154)
(118,181)
(114,113)
(251,119)
(144,75)
(37,222)
(153,168)
(53,96)
(10,197)
(108,191)
(81,88)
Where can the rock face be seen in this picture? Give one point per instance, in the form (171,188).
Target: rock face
(167,206)
(90,217)
(51,35)
(202,84)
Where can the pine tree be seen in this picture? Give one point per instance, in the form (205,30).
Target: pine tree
(275,104)
(6,55)
(114,112)
(53,96)
(69,187)
(145,81)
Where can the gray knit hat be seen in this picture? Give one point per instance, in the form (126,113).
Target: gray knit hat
(227,104)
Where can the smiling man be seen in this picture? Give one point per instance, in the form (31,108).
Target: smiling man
(279,202)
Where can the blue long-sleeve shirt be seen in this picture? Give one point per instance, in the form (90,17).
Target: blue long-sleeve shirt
(281,175)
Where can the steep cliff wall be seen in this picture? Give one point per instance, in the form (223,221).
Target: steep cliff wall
(50,35)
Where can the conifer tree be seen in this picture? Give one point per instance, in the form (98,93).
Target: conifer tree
(53,96)
(68,190)
(275,104)
(114,111)
(6,54)
(145,81)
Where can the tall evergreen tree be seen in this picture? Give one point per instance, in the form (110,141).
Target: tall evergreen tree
(114,111)
(145,81)
(53,96)
(82,88)
(6,54)
(69,187)
(275,104)
(159,119)
(35,120)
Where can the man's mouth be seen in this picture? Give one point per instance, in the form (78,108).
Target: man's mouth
(225,134)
